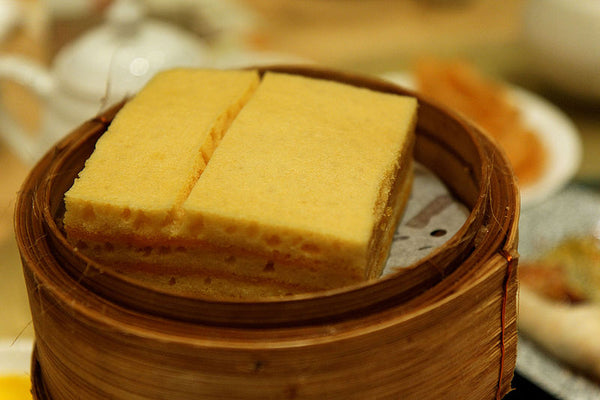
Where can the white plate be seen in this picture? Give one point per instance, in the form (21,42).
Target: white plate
(15,356)
(555,130)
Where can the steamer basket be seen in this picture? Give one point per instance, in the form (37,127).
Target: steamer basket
(442,327)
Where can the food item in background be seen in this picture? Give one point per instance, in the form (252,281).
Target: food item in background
(549,280)
(302,193)
(559,303)
(458,85)
(572,268)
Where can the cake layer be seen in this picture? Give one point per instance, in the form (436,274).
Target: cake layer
(145,164)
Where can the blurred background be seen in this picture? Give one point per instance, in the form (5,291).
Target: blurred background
(62,61)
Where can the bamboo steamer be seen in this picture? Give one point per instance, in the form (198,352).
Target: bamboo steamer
(443,327)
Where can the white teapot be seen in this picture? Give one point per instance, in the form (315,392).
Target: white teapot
(102,67)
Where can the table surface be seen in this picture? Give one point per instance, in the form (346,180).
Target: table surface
(367,37)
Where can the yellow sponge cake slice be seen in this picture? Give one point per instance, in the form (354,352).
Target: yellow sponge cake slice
(304,175)
(145,165)
(239,186)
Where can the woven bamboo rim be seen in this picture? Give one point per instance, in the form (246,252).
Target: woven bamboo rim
(102,335)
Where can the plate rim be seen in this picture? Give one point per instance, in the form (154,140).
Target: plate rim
(15,356)
(550,124)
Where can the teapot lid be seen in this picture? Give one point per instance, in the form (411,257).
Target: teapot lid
(119,57)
